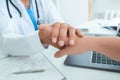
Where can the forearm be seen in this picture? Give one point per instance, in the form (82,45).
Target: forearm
(109,46)
(20,45)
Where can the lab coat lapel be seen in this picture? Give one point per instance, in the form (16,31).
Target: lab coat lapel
(34,7)
(27,25)
(41,10)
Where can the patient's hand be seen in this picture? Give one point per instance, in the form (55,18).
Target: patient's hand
(82,45)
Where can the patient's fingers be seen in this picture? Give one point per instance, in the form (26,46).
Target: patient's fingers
(65,51)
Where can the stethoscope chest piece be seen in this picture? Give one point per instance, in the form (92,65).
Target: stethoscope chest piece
(39,22)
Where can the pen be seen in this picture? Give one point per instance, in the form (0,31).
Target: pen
(29,71)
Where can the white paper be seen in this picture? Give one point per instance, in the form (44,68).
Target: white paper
(14,64)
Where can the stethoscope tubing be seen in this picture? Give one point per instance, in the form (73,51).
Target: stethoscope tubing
(10,15)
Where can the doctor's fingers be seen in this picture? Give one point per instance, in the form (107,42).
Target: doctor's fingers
(79,33)
(71,35)
(55,32)
(63,34)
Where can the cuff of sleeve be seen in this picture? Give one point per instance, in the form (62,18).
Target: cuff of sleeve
(45,45)
(35,42)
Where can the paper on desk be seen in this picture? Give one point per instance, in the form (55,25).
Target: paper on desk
(96,27)
(100,23)
(14,64)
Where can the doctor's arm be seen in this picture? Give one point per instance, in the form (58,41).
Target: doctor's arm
(18,45)
(14,43)
(109,46)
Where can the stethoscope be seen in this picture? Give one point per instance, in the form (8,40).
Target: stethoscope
(39,21)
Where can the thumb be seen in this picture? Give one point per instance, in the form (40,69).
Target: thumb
(45,28)
(41,27)
(62,52)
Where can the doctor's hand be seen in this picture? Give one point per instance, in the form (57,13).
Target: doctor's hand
(45,35)
(62,34)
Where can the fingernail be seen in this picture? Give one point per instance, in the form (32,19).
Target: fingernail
(54,40)
(72,42)
(61,43)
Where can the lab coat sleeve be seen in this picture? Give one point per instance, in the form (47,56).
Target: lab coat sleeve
(12,43)
(52,13)
(21,45)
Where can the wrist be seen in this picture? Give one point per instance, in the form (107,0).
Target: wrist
(91,43)
(41,37)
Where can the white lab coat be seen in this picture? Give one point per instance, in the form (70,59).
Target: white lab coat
(17,35)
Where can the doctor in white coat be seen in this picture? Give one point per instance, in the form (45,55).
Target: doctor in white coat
(19,22)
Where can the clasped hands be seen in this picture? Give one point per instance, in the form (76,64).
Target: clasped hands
(62,36)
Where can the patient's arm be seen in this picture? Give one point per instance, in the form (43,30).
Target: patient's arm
(109,46)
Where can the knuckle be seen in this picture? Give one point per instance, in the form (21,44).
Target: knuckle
(70,27)
(72,30)
(62,36)
(71,36)
(72,33)
(54,34)
(63,26)
(56,25)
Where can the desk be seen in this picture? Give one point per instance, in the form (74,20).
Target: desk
(77,73)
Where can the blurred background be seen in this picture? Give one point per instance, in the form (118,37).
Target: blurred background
(76,12)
